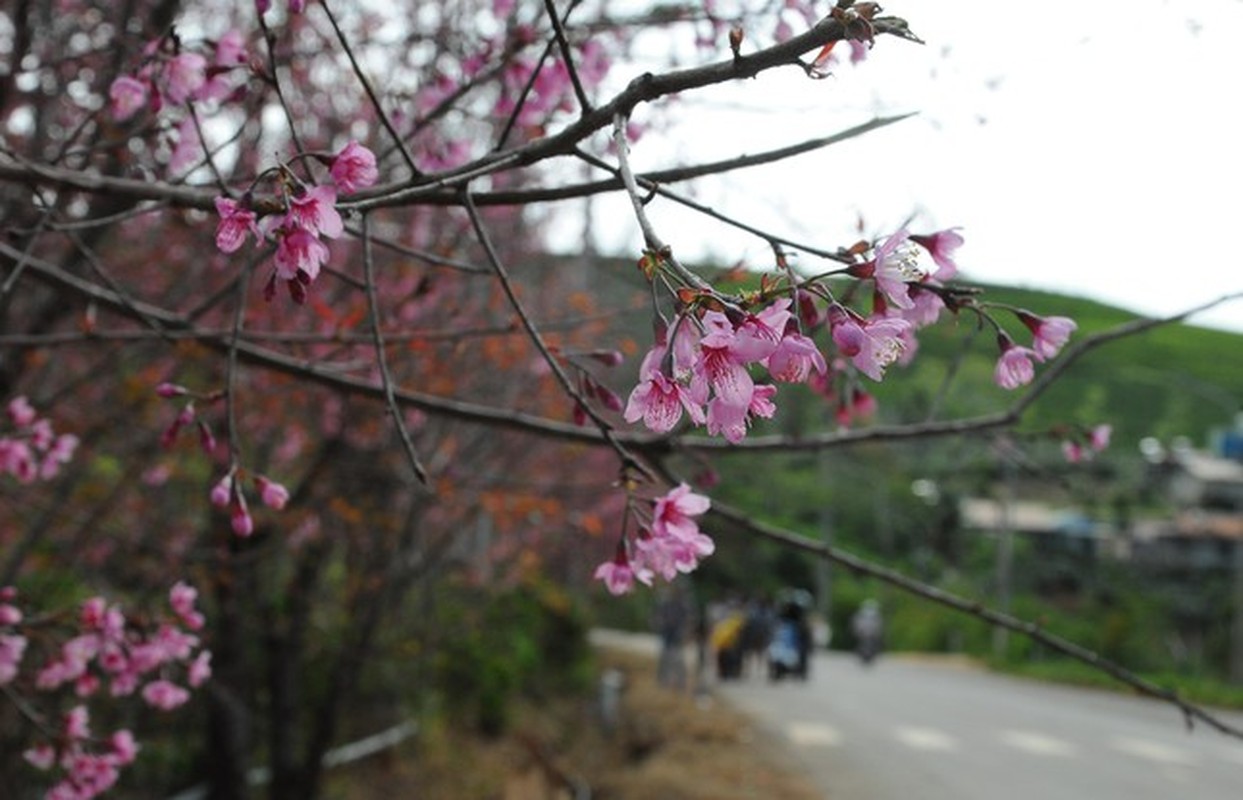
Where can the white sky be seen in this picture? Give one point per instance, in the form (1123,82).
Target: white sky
(1093,148)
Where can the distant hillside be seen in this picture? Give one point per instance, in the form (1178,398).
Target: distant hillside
(1176,380)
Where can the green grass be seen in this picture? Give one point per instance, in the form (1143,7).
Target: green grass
(1195,689)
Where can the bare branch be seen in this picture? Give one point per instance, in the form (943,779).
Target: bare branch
(386,378)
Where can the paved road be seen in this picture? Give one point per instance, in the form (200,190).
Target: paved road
(933,730)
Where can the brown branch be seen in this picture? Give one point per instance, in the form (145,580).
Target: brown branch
(629,461)
(370,90)
(386,378)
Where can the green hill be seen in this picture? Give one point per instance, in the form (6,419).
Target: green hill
(1174,380)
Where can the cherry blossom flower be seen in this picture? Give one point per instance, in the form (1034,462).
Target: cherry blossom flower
(200,669)
(673,512)
(1098,437)
(315,211)
(872,344)
(893,267)
(124,748)
(235,222)
(1014,367)
(41,756)
(794,359)
(21,413)
(184,74)
(731,421)
(181,597)
(188,149)
(222,491)
(941,246)
(231,49)
(723,356)
(659,400)
(354,168)
(617,575)
(1050,334)
(758,335)
(127,96)
(273,494)
(299,255)
(12,649)
(239,518)
(164,695)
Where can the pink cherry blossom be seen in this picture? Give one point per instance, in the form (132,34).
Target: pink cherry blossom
(941,246)
(124,748)
(1098,437)
(78,723)
(200,669)
(872,344)
(894,266)
(1014,367)
(235,222)
(41,756)
(242,523)
(164,695)
(659,400)
(1050,334)
(299,255)
(722,362)
(21,413)
(673,512)
(184,74)
(795,358)
(12,648)
(127,96)
(617,575)
(188,149)
(315,211)
(732,422)
(354,168)
(231,49)
(273,494)
(182,597)
(222,491)
(758,335)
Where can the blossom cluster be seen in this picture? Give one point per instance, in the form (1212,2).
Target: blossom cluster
(1015,367)
(668,542)
(173,76)
(105,648)
(310,217)
(227,493)
(31,449)
(703,368)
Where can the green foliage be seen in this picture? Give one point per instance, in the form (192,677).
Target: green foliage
(530,639)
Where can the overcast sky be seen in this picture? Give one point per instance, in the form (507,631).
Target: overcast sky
(1092,148)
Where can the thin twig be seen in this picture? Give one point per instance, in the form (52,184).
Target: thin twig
(628,459)
(371,93)
(650,238)
(386,378)
(558,30)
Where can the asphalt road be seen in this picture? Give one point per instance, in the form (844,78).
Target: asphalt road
(934,730)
